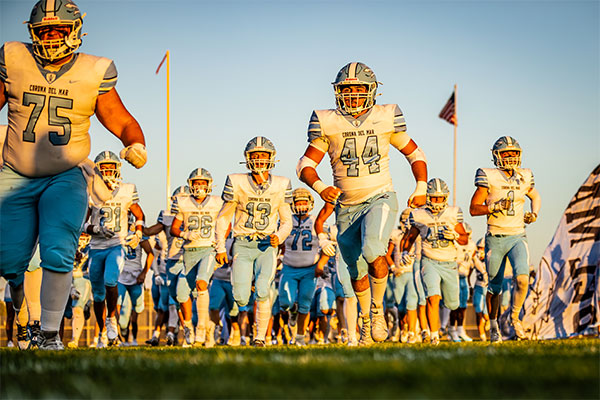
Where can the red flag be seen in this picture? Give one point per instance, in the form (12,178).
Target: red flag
(448,113)
(161,63)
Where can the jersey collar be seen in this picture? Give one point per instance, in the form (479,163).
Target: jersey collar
(51,75)
(259,188)
(355,122)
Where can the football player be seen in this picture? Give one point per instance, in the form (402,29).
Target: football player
(479,290)
(405,291)
(258,200)
(198,213)
(52,92)
(108,224)
(357,136)
(464,259)
(441,228)
(348,311)
(300,256)
(81,290)
(167,278)
(131,281)
(500,196)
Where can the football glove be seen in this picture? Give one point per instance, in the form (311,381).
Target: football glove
(530,217)
(134,239)
(103,231)
(326,245)
(406,258)
(158,280)
(135,155)
(75,295)
(500,205)
(448,234)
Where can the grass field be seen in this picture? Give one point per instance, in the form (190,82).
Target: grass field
(550,369)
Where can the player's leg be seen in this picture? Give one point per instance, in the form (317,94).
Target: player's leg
(10,317)
(264,270)
(422,301)
(495,262)
(241,280)
(432,285)
(32,287)
(97,259)
(462,309)
(136,293)
(411,299)
(185,283)
(350,308)
(84,289)
(288,290)
(519,259)
(306,291)
(450,287)
(115,260)
(205,271)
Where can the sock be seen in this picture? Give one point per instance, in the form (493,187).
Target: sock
(263,314)
(351,312)
(364,301)
(32,286)
(173,317)
(493,324)
(77,324)
(202,308)
(519,295)
(156,333)
(18,295)
(435,335)
(378,287)
(56,288)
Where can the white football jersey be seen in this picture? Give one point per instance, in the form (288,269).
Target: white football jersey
(257,207)
(174,244)
(302,245)
(481,276)
(395,238)
(359,149)
(132,266)
(50,110)
(430,225)
(113,214)
(464,257)
(158,264)
(198,217)
(501,186)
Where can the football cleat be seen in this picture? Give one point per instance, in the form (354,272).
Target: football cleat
(72,344)
(234,339)
(519,331)
(133,343)
(22,337)
(352,342)
(112,330)
(453,334)
(365,332)
(50,341)
(300,340)
(200,336)
(35,334)
(170,339)
(188,335)
(463,335)
(435,340)
(425,336)
(495,336)
(209,336)
(412,338)
(483,337)
(379,331)
(294,315)
(61,14)
(10,344)
(343,338)
(258,343)
(153,341)
(355,74)
(218,334)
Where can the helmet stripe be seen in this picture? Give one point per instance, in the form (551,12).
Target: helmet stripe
(352,71)
(50,8)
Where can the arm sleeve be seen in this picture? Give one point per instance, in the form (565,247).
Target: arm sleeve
(228,193)
(110,79)
(223,220)
(135,197)
(285,222)
(481,179)
(399,121)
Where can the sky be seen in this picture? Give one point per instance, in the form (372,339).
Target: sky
(529,69)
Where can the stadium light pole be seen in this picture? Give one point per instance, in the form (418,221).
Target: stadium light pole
(168,59)
(454,168)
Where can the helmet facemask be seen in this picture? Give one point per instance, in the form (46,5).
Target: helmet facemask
(437,188)
(111,172)
(354,102)
(507,163)
(260,165)
(437,206)
(200,191)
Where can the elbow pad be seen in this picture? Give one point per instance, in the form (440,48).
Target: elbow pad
(304,162)
(416,155)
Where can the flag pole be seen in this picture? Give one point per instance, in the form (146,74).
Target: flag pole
(454,169)
(169,134)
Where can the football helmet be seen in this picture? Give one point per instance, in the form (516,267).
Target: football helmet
(180,191)
(506,143)
(437,188)
(260,143)
(196,175)
(112,176)
(300,194)
(467,227)
(404,222)
(63,13)
(355,73)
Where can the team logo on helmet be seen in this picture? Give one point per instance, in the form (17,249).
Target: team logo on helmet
(109,166)
(355,74)
(437,188)
(503,144)
(260,165)
(56,13)
(200,174)
(302,201)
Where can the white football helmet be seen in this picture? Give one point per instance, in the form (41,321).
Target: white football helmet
(111,171)
(355,73)
(196,175)
(506,143)
(59,13)
(260,143)
(437,188)
(404,222)
(301,194)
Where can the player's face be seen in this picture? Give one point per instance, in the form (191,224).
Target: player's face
(262,158)
(53,32)
(108,169)
(437,199)
(200,186)
(510,157)
(354,101)
(301,206)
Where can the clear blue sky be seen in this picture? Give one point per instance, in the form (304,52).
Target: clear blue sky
(529,69)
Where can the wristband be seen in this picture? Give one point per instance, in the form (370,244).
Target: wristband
(319,186)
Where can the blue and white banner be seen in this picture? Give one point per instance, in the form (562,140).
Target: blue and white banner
(563,300)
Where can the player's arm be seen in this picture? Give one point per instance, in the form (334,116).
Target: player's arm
(223,221)
(114,116)
(536,205)
(176,226)
(154,229)
(478,204)
(137,212)
(327,246)
(307,172)
(2,94)
(149,260)
(408,239)
(463,236)
(418,164)
(388,255)
(285,225)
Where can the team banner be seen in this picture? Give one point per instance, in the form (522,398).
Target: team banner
(563,300)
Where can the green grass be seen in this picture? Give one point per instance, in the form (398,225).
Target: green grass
(550,369)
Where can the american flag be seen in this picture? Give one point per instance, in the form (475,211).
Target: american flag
(448,113)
